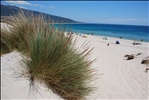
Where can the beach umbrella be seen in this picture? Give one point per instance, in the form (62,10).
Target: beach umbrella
(117,42)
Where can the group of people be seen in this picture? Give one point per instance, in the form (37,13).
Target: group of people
(136,43)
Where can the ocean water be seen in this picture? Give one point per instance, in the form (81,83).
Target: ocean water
(130,32)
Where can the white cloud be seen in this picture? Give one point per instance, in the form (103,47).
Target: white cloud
(23,3)
(133,21)
(38,5)
(19,2)
(35,5)
(22,7)
(51,7)
(120,19)
(144,19)
(41,6)
(124,19)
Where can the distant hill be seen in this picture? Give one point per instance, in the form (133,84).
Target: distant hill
(7,10)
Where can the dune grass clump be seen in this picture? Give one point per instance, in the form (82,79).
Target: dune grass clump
(59,67)
(4,49)
(53,60)
(4,46)
(6,39)
(25,26)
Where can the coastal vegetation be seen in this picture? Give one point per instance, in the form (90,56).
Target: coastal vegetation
(50,55)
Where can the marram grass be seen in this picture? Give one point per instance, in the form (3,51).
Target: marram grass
(54,61)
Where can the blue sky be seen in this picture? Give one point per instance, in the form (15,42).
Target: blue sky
(111,12)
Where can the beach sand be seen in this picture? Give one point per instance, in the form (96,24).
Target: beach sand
(116,77)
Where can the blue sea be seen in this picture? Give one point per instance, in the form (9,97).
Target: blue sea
(130,32)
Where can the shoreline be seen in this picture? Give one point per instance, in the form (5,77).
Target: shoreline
(101,36)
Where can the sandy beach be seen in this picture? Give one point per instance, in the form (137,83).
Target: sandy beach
(116,77)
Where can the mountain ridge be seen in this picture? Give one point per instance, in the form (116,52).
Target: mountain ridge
(7,10)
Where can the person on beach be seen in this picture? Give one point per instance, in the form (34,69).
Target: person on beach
(108,44)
